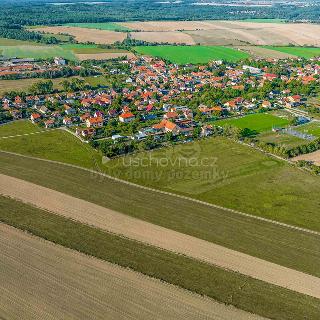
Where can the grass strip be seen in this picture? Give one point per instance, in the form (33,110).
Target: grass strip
(228,287)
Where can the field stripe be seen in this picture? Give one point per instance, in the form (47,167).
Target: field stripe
(157,236)
(98,173)
(93,287)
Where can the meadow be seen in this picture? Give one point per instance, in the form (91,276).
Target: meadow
(258,122)
(219,284)
(18,127)
(192,54)
(280,138)
(111,26)
(303,52)
(36,52)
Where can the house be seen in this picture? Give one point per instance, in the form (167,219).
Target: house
(67,121)
(86,132)
(35,117)
(94,122)
(49,123)
(171,115)
(59,61)
(126,117)
(167,126)
(266,104)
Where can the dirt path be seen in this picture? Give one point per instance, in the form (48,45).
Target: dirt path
(40,280)
(132,228)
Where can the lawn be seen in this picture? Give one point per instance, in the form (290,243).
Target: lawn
(192,54)
(36,52)
(302,52)
(111,26)
(258,122)
(18,127)
(227,287)
(310,128)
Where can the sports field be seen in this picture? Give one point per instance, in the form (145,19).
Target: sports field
(310,128)
(192,54)
(258,122)
(297,51)
(111,26)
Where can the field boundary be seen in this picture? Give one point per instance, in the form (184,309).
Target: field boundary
(170,194)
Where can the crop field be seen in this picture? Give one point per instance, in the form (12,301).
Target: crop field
(297,51)
(36,52)
(86,35)
(172,37)
(264,52)
(258,122)
(310,128)
(58,272)
(192,54)
(264,20)
(179,270)
(111,26)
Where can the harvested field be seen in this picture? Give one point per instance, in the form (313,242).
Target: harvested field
(164,37)
(236,32)
(84,35)
(118,223)
(313,157)
(93,288)
(103,55)
(261,52)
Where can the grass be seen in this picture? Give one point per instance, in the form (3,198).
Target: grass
(56,145)
(271,242)
(14,42)
(228,287)
(192,54)
(18,127)
(310,128)
(36,52)
(283,139)
(111,26)
(258,122)
(96,81)
(303,52)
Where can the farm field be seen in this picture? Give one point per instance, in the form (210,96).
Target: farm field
(18,127)
(192,54)
(14,42)
(172,37)
(36,52)
(86,35)
(264,52)
(182,271)
(258,122)
(281,139)
(62,272)
(298,51)
(264,20)
(111,26)
(310,128)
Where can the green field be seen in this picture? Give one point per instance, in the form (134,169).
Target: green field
(310,128)
(192,54)
(36,52)
(227,287)
(258,122)
(13,42)
(281,139)
(297,51)
(18,127)
(111,26)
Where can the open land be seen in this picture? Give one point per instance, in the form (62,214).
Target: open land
(224,286)
(264,52)
(298,250)
(311,128)
(111,26)
(18,127)
(282,139)
(230,167)
(103,55)
(314,157)
(192,54)
(93,287)
(297,51)
(86,35)
(164,37)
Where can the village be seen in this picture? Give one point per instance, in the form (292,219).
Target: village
(146,105)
